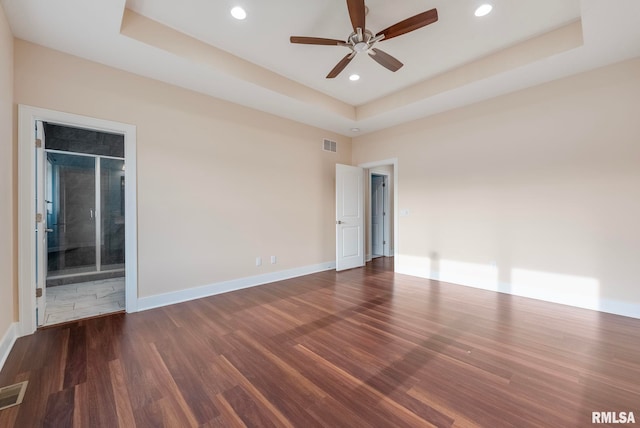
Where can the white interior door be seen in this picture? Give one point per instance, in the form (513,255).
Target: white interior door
(349,217)
(41,227)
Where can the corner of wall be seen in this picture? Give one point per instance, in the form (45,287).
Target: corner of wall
(8,189)
(7,341)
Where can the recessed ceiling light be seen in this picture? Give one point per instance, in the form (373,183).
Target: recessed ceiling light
(354,77)
(483,10)
(238,13)
(355,129)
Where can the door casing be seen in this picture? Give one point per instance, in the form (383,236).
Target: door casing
(394,183)
(41,227)
(27,117)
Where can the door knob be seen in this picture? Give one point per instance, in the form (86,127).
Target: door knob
(339,222)
(48,230)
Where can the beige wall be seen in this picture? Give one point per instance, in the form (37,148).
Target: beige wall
(535,193)
(8,299)
(218,184)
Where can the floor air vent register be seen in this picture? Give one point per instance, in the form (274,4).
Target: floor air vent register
(12,395)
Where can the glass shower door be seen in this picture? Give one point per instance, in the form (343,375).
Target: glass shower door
(71,214)
(111,214)
(86,232)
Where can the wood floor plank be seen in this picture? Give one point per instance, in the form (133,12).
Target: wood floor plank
(170,388)
(75,371)
(43,382)
(246,408)
(382,409)
(121,395)
(329,412)
(231,418)
(361,348)
(273,385)
(8,417)
(187,372)
(150,415)
(143,378)
(99,397)
(81,407)
(276,414)
(307,387)
(59,411)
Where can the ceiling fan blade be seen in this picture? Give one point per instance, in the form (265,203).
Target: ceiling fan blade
(385,60)
(357,13)
(340,66)
(315,41)
(410,24)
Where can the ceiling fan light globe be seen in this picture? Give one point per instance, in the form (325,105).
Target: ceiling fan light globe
(361,47)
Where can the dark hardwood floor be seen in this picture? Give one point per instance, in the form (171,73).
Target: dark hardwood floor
(361,348)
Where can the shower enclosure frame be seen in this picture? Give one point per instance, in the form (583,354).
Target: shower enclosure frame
(96,215)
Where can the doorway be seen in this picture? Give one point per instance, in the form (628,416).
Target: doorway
(84,222)
(380,214)
(381,202)
(84,205)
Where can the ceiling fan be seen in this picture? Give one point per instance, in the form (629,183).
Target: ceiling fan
(363,40)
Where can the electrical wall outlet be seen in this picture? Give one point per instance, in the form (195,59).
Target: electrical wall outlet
(258,261)
(274,260)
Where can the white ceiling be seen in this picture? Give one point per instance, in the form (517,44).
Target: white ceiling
(92,29)
(263,38)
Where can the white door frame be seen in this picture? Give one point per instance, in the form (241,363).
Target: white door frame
(41,227)
(387,225)
(386,162)
(27,117)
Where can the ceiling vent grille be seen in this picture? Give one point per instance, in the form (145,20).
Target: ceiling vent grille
(329,146)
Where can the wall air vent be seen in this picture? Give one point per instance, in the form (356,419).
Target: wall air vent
(329,146)
(12,395)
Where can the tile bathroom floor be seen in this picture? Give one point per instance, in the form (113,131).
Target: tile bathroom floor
(86,299)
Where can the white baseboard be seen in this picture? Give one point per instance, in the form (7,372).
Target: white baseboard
(165,299)
(616,307)
(6,344)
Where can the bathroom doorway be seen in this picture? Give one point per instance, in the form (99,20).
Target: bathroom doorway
(81,193)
